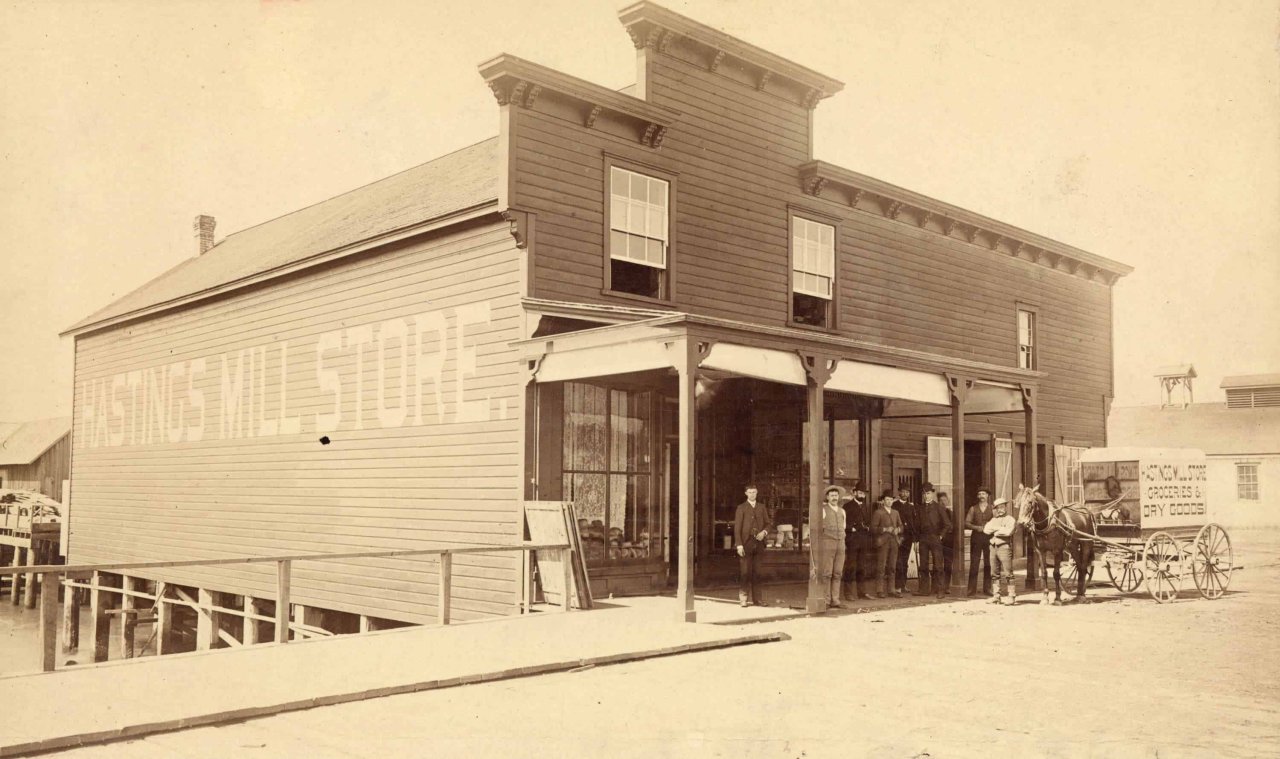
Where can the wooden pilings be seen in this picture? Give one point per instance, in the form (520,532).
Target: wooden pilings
(49,587)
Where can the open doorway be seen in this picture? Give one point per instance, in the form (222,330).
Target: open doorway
(976,471)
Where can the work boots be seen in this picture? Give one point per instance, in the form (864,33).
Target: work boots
(995,595)
(1013,594)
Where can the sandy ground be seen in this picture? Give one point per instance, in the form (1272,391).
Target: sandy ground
(1121,676)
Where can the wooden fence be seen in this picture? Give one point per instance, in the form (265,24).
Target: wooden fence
(49,577)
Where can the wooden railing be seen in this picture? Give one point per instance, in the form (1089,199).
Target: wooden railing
(49,575)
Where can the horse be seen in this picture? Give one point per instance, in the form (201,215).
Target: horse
(1053,530)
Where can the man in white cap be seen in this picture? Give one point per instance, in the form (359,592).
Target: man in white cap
(1000,528)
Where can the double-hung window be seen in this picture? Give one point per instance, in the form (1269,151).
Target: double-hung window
(1247,481)
(813,272)
(639,223)
(1026,339)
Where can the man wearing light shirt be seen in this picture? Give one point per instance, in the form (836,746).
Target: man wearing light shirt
(751,525)
(1000,528)
(828,549)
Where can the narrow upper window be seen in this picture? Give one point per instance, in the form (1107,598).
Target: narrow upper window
(638,233)
(1247,482)
(1026,339)
(813,267)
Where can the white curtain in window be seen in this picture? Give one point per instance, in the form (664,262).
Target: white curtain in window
(814,248)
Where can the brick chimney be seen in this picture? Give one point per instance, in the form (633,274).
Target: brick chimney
(203,227)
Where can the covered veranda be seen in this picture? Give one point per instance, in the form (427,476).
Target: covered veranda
(688,352)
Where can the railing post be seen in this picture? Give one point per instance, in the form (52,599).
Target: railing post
(282,601)
(99,622)
(446,583)
(70,619)
(164,621)
(566,556)
(29,592)
(49,621)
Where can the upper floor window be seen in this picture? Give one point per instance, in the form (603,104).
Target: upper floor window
(1027,358)
(638,233)
(813,272)
(1247,482)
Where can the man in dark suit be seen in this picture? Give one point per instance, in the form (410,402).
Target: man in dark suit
(935,527)
(910,514)
(859,553)
(751,525)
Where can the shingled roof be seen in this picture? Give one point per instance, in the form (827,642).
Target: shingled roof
(455,182)
(25,442)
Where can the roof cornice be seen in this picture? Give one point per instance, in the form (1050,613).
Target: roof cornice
(874,196)
(515,81)
(652,26)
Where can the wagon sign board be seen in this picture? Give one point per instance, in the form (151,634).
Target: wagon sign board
(1146,488)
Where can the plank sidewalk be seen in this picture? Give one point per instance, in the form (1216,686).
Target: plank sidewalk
(85,705)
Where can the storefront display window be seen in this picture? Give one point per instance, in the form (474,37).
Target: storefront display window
(608,473)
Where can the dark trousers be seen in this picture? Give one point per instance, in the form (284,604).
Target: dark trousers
(930,566)
(979,550)
(948,561)
(749,571)
(904,555)
(859,561)
(886,561)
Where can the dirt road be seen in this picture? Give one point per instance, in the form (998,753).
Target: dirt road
(1118,677)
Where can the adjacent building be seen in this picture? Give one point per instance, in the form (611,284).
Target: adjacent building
(637,300)
(36,455)
(1240,439)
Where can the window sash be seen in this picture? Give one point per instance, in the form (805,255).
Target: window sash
(1026,339)
(638,218)
(1247,482)
(813,255)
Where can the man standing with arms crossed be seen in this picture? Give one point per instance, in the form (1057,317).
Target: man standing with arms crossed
(751,525)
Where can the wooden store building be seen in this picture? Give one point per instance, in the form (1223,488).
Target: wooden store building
(635,300)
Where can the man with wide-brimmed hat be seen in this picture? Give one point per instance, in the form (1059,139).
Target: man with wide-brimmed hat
(1000,530)
(935,527)
(979,542)
(859,553)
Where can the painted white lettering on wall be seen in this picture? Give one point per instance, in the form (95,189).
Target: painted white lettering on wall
(412,371)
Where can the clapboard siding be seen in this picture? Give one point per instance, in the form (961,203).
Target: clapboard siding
(174,460)
(736,152)
(45,474)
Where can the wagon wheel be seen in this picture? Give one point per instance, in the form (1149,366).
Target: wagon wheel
(1125,574)
(1162,560)
(1211,561)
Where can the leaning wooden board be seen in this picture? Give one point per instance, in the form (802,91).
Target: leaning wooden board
(550,522)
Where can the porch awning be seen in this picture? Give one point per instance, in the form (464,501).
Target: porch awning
(761,363)
(889,382)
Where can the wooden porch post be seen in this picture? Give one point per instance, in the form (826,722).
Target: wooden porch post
(690,355)
(819,369)
(1029,470)
(960,387)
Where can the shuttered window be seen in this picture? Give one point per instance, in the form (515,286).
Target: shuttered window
(940,465)
(1253,397)
(1247,482)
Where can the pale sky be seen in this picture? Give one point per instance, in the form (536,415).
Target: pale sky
(1144,131)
